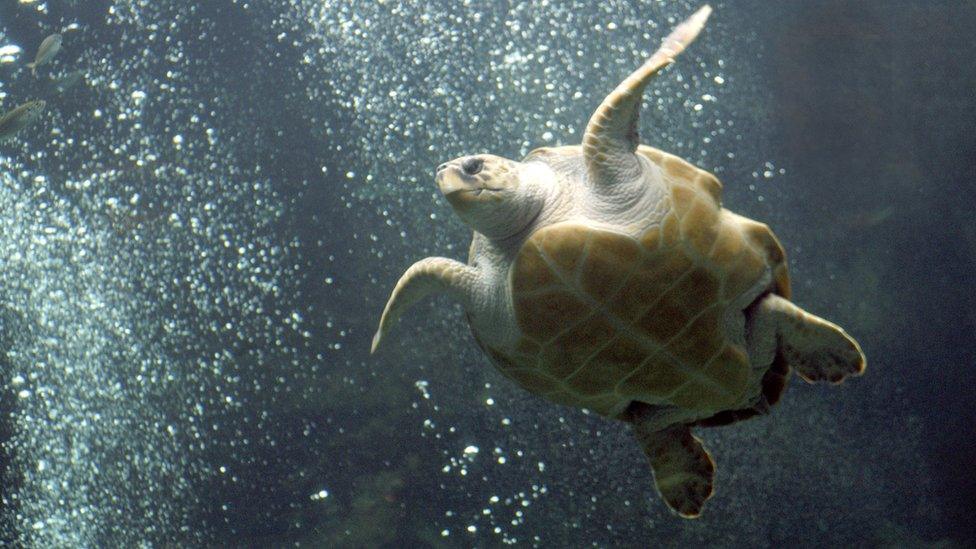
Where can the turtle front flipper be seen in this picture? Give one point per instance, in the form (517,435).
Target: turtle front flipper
(611,136)
(425,277)
(683,469)
(819,350)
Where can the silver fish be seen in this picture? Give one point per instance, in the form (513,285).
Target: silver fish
(49,48)
(19,118)
(64,83)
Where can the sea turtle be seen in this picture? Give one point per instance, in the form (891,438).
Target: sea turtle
(608,276)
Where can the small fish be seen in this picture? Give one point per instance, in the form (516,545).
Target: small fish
(19,118)
(873,218)
(49,48)
(64,83)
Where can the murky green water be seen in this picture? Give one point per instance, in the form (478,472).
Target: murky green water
(198,235)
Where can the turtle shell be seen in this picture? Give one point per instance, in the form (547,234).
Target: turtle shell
(607,318)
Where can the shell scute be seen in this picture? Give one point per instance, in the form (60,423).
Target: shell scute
(760,235)
(698,225)
(562,357)
(696,291)
(650,241)
(701,338)
(589,334)
(721,383)
(697,396)
(534,274)
(607,367)
(561,250)
(743,274)
(649,282)
(532,379)
(623,349)
(663,321)
(670,231)
(657,380)
(564,396)
(729,244)
(549,313)
(710,185)
(678,169)
(730,369)
(683,198)
(610,261)
(527,347)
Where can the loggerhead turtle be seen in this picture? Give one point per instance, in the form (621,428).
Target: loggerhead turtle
(608,276)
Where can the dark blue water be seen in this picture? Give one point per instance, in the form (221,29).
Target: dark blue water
(197,240)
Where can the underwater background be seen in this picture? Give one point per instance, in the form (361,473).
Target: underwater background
(199,234)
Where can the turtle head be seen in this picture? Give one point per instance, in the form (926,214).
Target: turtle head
(495,196)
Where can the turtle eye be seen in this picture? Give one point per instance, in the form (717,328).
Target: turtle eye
(473,165)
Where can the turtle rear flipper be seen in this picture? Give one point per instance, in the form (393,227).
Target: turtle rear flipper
(819,350)
(683,469)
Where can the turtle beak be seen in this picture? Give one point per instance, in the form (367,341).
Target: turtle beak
(458,187)
(449,179)
(459,190)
